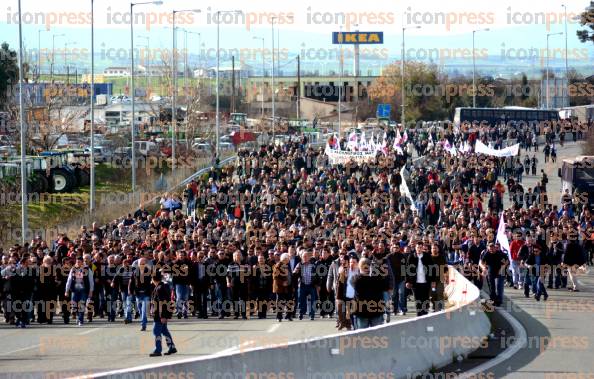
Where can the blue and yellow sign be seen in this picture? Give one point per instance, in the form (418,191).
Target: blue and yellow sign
(358,37)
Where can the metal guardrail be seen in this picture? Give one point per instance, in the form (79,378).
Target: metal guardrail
(193,176)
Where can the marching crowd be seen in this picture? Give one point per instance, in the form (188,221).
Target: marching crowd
(283,232)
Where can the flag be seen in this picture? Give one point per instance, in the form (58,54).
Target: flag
(404,137)
(502,237)
(352,141)
(362,142)
(397,139)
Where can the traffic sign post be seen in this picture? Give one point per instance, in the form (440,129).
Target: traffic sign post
(383,111)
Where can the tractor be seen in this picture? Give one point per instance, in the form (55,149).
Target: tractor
(61,177)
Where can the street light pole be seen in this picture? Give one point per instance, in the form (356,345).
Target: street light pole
(39,54)
(566,66)
(474,67)
(23,135)
(218,116)
(402,120)
(66,44)
(547,81)
(54,55)
(132,90)
(340,82)
(92,173)
(263,71)
(272,85)
(174,78)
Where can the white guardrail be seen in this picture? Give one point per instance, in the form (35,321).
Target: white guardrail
(398,349)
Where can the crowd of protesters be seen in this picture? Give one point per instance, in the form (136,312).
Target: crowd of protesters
(282,232)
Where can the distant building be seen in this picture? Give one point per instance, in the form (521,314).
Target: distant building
(117,71)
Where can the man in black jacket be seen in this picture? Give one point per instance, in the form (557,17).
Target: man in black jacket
(200,284)
(162,309)
(536,264)
(494,263)
(140,287)
(420,277)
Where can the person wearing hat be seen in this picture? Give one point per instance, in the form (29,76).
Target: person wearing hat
(162,306)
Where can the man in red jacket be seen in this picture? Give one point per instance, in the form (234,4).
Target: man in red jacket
(514,247)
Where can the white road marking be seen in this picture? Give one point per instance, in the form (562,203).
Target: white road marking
(520,342)
(92,330)
(22,349)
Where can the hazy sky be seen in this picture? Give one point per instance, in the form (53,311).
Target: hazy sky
(517,29)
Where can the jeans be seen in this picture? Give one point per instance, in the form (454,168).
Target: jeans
(304,291)
(159,330)
(143,302)
(496,284)
(222,298)
(368,322)
(515,271)
(127,300)
(79,297)
(535,281)
(557,272)
(399,297)
(387,301)
(182,294)
(112,303)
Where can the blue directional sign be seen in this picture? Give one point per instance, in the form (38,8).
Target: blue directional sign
(383,110)
(363,38)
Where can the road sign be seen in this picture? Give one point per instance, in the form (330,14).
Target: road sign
(383,111)
(364,38)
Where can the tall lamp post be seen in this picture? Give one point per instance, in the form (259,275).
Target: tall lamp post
(174,79)
(340,83)
(272,76)
(402,70)
(132,90)
(566,66)
(54,55)
(39,53)
(218,117)
(547,82)
(66,44)
(263,72)
(474,66)
(92,126)
(23,135)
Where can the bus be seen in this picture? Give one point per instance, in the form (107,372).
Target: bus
(513,116)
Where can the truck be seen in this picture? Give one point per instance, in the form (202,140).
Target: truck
(577,178)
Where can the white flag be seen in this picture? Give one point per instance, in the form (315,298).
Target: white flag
(502,237)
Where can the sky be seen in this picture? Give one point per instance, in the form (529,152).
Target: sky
(517,30)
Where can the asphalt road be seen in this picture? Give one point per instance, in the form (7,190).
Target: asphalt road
(58,350)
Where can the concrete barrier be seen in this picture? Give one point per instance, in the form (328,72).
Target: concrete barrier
(395,350)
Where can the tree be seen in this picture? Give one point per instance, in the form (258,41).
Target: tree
(424,91)
(9,73)
(587,20)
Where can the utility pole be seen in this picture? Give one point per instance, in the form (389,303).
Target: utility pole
(272,87)
(298,87)
(233,84)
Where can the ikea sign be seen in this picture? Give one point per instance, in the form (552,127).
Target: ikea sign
(358,37)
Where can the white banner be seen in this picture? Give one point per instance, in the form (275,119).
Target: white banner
(340,156)
(511,151)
